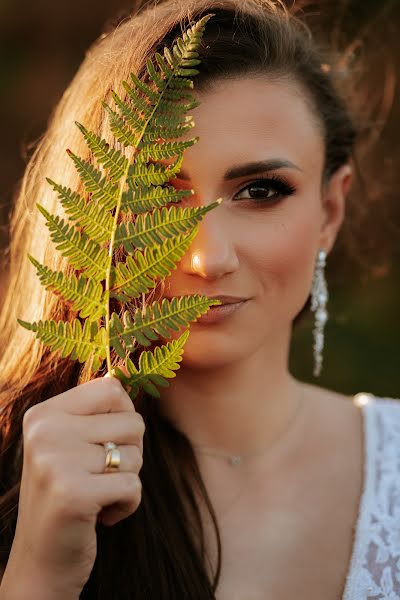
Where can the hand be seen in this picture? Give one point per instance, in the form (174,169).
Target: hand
(64,488)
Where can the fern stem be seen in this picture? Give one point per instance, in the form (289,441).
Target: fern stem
(109,267)
(117,212)
(112,242)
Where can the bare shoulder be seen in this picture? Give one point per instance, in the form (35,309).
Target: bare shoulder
(329,400)
(333,415)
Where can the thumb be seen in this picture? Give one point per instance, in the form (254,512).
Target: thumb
(124,371)
(121,368)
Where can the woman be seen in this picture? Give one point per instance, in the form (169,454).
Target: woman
(252,484)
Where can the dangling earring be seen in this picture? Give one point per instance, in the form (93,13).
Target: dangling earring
(319,298)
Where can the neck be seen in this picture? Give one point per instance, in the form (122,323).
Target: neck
(237,408)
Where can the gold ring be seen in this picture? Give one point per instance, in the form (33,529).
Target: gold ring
(113,457)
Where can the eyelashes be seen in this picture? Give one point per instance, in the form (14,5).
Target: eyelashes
(264,186)
(261,191)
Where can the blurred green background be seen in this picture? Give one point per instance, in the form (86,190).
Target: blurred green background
(43,42)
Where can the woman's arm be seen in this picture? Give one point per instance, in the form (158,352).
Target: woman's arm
(18,582)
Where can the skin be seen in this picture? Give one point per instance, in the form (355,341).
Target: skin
(234,393)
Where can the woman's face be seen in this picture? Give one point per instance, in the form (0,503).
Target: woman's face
(261,242)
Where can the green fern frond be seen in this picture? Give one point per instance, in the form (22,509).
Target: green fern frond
(156,76)
(125,204)
(140,105)
(168,134)
(85,295)
(151,229)
(149,94)
(158,320)
(112,160)
(95,221)
(144,199)
(139,273)
(165,150)
(152,174)
(154,367)
(102,190)
(71,339)
(81,251)
(121,130)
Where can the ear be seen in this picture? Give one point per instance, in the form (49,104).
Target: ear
(334,204)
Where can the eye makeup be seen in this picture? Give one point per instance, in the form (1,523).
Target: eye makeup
(259,190)
(276,183)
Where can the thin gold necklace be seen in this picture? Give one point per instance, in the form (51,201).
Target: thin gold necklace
(237,459)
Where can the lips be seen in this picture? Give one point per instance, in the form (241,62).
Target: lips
(216,314)
(225,299)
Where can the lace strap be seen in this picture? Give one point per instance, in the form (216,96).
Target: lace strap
(374,572)
(354,578)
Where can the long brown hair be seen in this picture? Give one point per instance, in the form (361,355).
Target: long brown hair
(158,552)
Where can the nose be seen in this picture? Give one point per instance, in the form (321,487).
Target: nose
(212,253)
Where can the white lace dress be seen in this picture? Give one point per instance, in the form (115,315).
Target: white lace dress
(374,571)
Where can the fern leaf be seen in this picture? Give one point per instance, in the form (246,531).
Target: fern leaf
(158,320)
(85,295)
(149,120)
(93,219)
(154,368)
(138,103)
(164,66)
(156,76)
(122,132)
(112,160)
(81,252)
(174,107)
(150,95)
(152,228)
(175,93)
(137,275)
(105,192)
(167,134)
(164,150)
(152,174)
(165,120)
(143,199)
(70,339)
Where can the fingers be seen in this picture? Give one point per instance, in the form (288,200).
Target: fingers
(119,500)
(103,395)
(92,458)
(120,428)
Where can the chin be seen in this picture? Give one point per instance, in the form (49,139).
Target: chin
(211,346)
(201,357)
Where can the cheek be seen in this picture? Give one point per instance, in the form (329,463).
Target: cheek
(283,253)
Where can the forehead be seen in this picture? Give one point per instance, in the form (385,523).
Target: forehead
(255,117)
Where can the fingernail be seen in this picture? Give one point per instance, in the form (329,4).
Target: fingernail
(110,373)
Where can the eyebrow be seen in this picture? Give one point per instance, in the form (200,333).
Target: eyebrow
(250,168)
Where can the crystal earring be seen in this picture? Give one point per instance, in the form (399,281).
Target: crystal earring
(319,298)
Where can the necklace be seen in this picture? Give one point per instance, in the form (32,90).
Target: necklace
(237,459)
